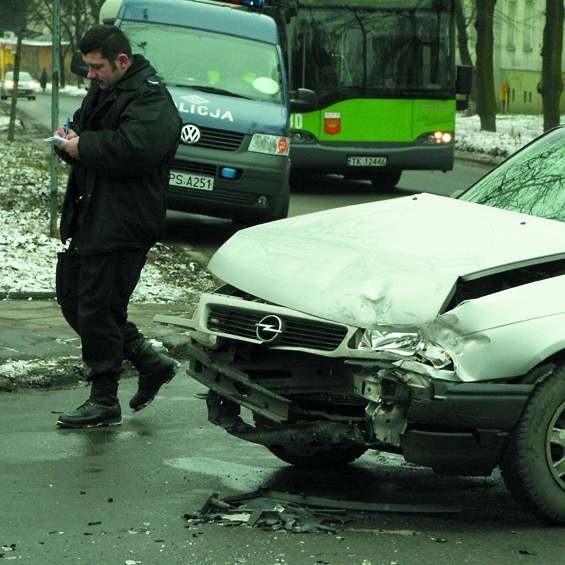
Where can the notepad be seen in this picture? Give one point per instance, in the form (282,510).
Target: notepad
(55,140)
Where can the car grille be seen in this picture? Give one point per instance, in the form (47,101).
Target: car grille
(297,332)
(216,195)
(196,168)
(219,139)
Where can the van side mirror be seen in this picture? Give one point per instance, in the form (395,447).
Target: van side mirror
(78,66)
(303,100)
(464,79)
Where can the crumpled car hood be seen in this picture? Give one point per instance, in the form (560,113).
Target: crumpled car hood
(388,262)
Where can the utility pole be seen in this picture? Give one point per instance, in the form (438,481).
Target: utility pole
(56,71)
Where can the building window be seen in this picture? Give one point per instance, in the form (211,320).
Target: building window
(511,25)
(529,25)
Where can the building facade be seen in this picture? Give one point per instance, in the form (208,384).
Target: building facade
(517,60)
(36,55)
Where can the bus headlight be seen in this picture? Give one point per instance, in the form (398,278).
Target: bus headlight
(270,144)
(439,137)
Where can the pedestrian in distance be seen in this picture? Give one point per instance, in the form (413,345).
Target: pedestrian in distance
(120,144)
(43,79)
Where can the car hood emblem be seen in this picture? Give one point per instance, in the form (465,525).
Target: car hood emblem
(190,134)
(269,328)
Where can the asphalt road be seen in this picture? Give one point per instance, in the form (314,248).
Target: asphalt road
(118,496)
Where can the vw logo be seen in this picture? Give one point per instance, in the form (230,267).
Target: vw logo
(269,328)
(190,134)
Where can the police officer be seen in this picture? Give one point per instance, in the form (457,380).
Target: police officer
(120,144)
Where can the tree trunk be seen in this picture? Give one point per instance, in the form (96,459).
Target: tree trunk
(14,100)
(462,35)
(486,99)
(551,83)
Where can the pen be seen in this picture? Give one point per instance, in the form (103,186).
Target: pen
(67,125)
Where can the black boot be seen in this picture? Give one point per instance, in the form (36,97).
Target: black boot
(155,369)
(101,409)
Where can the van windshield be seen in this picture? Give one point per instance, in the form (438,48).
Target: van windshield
(209,61)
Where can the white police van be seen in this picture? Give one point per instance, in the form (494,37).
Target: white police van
(223,67)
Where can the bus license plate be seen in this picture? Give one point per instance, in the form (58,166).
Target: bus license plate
(366,161)
(185,180)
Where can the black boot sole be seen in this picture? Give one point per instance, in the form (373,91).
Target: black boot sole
(71,426)
(169,377)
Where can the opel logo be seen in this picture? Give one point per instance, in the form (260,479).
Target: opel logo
(190,134)
(269,328)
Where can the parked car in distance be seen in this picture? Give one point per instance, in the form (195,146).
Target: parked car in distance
(27,85)
(423,325)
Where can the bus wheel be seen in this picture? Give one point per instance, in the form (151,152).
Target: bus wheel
(385,179)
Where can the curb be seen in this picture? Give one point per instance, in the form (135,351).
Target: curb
(479,158)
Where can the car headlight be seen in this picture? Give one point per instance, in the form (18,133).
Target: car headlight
(270,144)
(399,344)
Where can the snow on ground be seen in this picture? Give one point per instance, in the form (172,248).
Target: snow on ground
(512,133)
(28,253)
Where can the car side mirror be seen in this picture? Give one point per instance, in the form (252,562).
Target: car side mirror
(78,66)
(303,100)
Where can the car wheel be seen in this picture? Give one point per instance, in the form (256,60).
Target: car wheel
(533,465)
(385,179)
(315,456)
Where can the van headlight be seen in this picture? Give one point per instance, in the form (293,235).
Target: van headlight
(399,344)
(270,144)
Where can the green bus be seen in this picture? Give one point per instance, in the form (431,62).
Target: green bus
(374,85)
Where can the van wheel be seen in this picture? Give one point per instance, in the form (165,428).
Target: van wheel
(317,456)
(385,179)
(533,465)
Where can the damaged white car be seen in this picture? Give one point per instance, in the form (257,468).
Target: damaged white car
(423,325)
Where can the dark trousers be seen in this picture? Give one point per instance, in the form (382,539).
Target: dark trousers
(93,292)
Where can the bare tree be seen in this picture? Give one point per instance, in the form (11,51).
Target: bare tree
(551,82)
(21,11)
(76,17)
(486,99)
(462,35)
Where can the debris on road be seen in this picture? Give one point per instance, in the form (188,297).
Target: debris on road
(296,513)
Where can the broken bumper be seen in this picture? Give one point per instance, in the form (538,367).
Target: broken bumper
(455,428)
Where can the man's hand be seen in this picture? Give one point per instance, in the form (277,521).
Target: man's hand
(71,146)
(60,131)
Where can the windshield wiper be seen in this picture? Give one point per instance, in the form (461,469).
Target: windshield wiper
(214,90)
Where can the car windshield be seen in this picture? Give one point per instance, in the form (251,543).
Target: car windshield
(209,61)
(531,182)
(23,76)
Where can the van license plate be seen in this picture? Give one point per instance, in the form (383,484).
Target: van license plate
(185,180)
(366,161)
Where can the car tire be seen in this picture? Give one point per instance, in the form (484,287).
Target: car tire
(533,465)
(317,456)
(385,179)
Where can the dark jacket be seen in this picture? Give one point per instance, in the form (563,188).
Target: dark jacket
(115,195)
